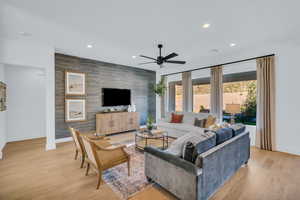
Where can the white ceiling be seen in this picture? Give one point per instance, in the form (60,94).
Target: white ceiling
(120,29)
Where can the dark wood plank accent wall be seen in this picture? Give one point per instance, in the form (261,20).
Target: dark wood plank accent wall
(101,75)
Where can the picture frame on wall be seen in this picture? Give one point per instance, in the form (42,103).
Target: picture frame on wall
(75,83)
(3,106)
(75,110)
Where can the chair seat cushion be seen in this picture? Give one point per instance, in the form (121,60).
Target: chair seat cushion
(111,158)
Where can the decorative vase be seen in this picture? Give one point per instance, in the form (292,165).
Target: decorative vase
(133,108)
(129,109)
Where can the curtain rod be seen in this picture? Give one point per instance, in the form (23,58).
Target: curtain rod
(228,63)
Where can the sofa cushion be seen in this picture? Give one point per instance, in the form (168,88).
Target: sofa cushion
(174,126)
(184,128)
(176,118)
(238,128)
(223,134)
(189,117)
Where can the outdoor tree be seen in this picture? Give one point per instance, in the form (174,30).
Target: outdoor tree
(249,107)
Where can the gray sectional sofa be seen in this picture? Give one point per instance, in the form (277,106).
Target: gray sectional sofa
(190,182)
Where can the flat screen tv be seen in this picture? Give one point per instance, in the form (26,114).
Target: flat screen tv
(115,97)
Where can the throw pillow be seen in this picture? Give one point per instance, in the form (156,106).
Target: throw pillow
(210,121)
(189,149)
(200,122)
(176,118)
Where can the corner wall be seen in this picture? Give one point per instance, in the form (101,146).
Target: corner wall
(2,116)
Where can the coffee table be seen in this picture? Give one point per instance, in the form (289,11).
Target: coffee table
(157,138)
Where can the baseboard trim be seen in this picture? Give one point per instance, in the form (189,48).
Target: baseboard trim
(50,146)
(1,151)
(61,140)
(24,139)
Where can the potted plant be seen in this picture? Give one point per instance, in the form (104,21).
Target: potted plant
(150,123)
(160,87)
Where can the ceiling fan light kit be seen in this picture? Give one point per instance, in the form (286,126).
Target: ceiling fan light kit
(160,59)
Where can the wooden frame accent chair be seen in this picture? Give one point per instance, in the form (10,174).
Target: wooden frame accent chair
(102,156)
(78,145)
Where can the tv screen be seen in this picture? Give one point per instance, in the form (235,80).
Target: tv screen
(115,97)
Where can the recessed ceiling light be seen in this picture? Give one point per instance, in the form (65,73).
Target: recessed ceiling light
(206,25)
(232,44)
(89,46)
(24,33)
(134,57)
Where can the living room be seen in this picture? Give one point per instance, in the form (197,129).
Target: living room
(104,87)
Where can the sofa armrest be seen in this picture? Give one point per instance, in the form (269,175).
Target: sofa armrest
(222,161)
(179,162)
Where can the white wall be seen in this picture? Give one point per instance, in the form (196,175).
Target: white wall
(2,116)
(287,88)
(26,114)
(25,52)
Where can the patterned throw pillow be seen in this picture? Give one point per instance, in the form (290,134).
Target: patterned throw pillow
(200,122)
(189,149)
(176,118)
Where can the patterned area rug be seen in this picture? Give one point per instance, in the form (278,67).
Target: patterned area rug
(118,179)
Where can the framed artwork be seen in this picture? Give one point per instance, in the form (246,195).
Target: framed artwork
(75,110)
(2,96)
(74,83)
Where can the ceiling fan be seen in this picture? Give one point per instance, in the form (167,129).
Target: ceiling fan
(160,59)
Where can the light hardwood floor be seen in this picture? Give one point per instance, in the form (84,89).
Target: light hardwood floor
(29,172)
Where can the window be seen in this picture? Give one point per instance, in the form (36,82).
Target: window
(242,93)
(178,98)
(174,92)
(239,93)
(201,91)
(201,98)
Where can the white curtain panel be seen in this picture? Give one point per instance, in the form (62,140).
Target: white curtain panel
(216,98)
(187,92)
(163,100)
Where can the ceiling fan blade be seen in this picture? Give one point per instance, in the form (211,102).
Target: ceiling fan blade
(172,55)
(144,63)
(175,61)
(147,57)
